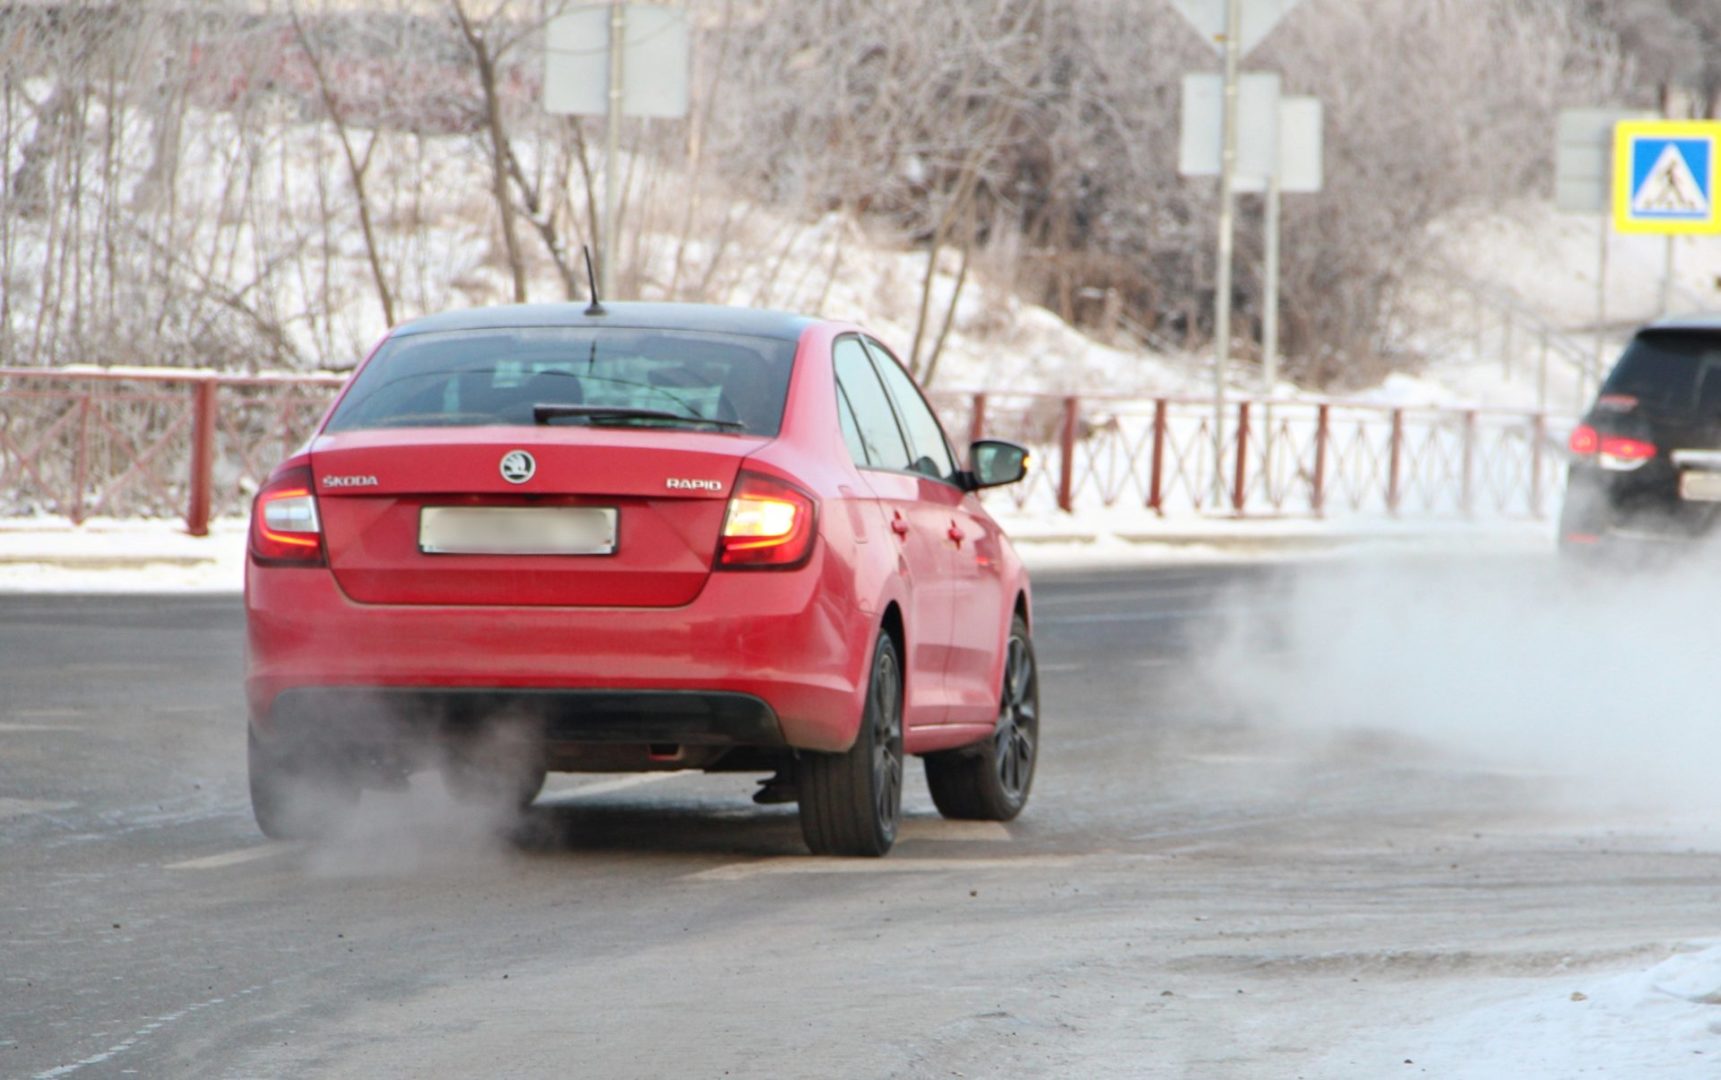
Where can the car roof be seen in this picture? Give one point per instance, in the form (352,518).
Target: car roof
(707,318)
(1706,321)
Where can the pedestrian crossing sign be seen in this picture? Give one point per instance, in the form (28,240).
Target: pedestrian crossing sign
(1664,177)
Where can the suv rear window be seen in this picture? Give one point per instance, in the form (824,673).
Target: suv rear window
(1670,372)
(477,377)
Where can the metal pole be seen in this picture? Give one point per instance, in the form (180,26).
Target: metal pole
(1506,342)
(1067,455)
(612,145)
(203,421)
(1667,281)
(1542,374)
(1600,356)
(1227,210)
(1270,325)
(1270,312)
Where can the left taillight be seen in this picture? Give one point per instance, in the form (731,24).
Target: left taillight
(285,529)
(769,525)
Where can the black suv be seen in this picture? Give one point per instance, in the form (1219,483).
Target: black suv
(1646,458)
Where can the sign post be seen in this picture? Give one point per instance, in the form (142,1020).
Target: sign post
(1664,183)
(614,60)
(1583,184)
(1236,27)
(1279,152)
(1227,239)
(1297,169)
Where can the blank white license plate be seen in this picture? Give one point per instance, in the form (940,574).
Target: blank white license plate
(517,530)
(1695,486)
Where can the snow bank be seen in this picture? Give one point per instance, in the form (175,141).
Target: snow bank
(108,555)
(1664,1022)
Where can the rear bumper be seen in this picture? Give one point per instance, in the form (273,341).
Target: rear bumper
(1627,511)
(369,715)
(757,659)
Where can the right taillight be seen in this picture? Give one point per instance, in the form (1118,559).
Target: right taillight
(1622,454)
(285,529)
(1617,453)
(769,525)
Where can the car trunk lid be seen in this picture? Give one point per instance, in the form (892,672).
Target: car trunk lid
(668,491)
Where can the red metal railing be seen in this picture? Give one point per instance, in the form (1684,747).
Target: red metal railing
(160,442)
(1278,458)
(147,442)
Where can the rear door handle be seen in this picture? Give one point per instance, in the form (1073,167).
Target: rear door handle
(899,525)
(956,534)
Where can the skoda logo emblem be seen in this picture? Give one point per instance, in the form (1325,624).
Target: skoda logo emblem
(518,466)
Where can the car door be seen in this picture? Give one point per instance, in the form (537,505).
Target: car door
(881,450)
(973,577)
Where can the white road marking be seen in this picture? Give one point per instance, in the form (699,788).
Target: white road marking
(1051,668)
(7,728)
(10,808)
(938,830)
(1239,759)
(606,787)
(138,1036)
(801,864)
(233,858)
(44,714)
(1065,599)
(185,708)
(1132,616)
(1209,830)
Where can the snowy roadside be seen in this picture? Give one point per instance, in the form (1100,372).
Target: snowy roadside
(126,556)
(1663,1022)
(1135,537)
(120,556)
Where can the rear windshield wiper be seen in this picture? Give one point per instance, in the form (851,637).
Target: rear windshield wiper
(596,414)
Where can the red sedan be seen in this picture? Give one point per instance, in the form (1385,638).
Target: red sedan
(640,537)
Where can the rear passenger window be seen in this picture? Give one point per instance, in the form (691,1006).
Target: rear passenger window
(876,430)
(1671,373)
(931,454)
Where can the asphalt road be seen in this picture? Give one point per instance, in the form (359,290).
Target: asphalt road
(1192,892)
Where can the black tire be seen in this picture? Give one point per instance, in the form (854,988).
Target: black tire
(990,781)
(851,803)
(296,796)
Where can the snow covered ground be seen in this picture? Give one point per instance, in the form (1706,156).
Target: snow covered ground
(1662,1022)
(107,555)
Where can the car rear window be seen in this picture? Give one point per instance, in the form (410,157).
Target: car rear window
(479,377)
(1669,372)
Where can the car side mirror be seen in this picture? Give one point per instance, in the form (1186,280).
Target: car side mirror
(995,462)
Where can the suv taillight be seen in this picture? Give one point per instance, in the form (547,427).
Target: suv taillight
(1617,453)
(285,529)
(769,525)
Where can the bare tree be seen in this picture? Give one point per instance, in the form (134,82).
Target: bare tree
(358,162)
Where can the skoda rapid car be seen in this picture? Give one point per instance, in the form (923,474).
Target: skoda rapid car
(633,538)
(1646,459)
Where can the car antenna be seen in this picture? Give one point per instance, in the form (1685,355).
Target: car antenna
(596,307)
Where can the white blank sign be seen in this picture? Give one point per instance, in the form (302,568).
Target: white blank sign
(1198,147)
(1300,145)
(654,62)
(1583,158)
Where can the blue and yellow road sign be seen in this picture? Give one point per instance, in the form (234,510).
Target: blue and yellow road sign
(1664,175)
